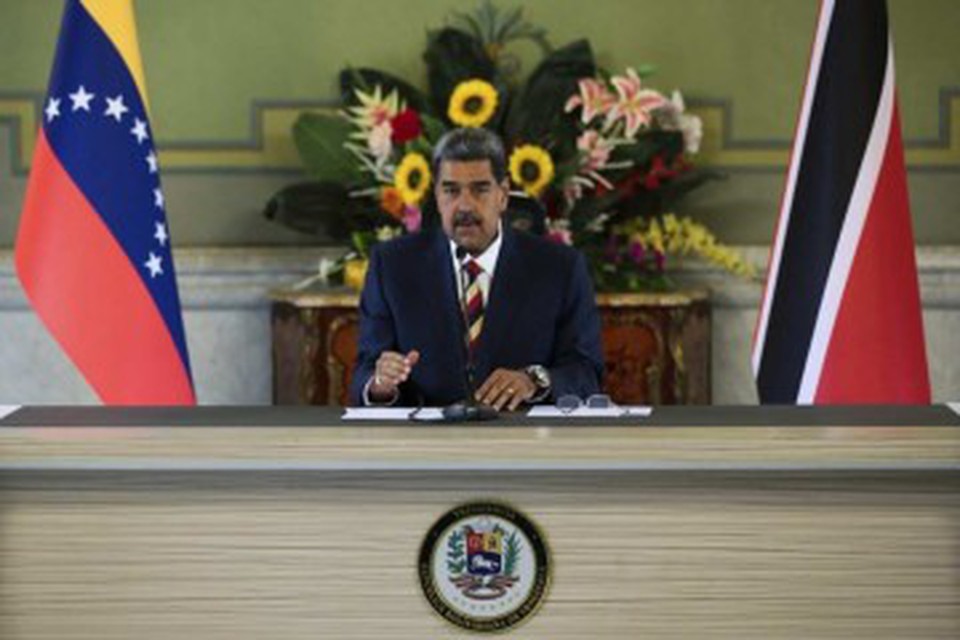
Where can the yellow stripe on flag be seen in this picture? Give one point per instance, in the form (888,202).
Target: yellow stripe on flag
(116,19)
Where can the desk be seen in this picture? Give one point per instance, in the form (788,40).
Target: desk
(243,523)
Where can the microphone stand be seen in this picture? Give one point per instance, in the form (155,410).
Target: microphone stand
(469,410)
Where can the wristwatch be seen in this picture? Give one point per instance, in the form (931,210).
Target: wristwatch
(540,377)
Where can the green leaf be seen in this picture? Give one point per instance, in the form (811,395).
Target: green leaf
(512,554)
(470,25)
(453,56)
(421,146)
(456,557)
(645,70)
(363,241)
(326,209)
(640,153)
(505,24)
(494,28)
(315,208)
(537,114)
(433,129)
(320,139)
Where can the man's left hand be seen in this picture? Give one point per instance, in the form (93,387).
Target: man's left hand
(506,388)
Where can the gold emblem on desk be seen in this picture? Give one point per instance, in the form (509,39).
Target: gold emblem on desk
(484,566)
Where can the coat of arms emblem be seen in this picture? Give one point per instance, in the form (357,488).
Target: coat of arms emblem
(484,566)
(487,570)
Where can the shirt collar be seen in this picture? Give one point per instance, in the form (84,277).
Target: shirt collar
(488,259)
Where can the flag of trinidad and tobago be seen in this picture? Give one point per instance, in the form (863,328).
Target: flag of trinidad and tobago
(840,319)
(93,249)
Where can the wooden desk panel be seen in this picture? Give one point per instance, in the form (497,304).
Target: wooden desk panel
(332,555)
(162,530)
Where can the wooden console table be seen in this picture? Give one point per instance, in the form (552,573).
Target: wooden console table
(656,346)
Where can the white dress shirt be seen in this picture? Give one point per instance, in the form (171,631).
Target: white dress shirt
(487,261)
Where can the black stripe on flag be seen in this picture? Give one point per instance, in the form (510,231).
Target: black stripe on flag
(844,106)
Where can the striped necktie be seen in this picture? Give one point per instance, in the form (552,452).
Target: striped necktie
(474,298)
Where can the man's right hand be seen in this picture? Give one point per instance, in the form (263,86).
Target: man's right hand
(391,370)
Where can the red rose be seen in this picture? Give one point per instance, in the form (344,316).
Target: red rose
(406,126)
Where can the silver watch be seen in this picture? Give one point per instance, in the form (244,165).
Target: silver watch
(539,375)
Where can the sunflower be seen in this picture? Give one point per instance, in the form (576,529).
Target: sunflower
(472,103)
(412,178)
(531,168)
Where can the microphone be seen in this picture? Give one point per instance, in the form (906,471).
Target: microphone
(469,410)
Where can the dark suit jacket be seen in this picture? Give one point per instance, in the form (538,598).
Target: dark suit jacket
(541,310)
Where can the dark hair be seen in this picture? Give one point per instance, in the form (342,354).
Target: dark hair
(469,144)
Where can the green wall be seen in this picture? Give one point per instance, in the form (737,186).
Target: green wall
(208,62)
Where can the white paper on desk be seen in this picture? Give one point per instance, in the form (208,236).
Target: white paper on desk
(550,411)
(953,405)
(377,413)
(7,409)
(402,414)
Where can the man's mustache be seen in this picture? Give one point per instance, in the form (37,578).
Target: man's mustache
(464,218)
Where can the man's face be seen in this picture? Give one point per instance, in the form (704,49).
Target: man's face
(470,202)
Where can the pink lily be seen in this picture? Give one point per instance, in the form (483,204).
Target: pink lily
(633,103)
(595,148)
(594,97)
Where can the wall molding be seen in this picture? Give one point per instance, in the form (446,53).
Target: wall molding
(268,147)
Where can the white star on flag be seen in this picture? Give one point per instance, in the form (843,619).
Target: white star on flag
(81,99)
(140,130)
(152,162)
(161,234)
(116,108)
(154,264)
(53,109)
(158,198)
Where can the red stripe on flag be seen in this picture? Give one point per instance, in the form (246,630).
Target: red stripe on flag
(876,352)
(89,295)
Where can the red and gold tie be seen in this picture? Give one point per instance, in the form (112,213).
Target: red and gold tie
(474,299)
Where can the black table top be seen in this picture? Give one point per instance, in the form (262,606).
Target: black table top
(297,416)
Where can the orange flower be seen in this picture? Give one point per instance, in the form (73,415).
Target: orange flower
(392,202)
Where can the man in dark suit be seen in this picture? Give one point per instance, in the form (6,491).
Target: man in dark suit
(534,331)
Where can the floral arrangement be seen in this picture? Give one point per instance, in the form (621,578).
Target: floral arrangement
(605,156)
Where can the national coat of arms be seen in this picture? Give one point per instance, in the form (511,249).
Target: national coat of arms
(484,566)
